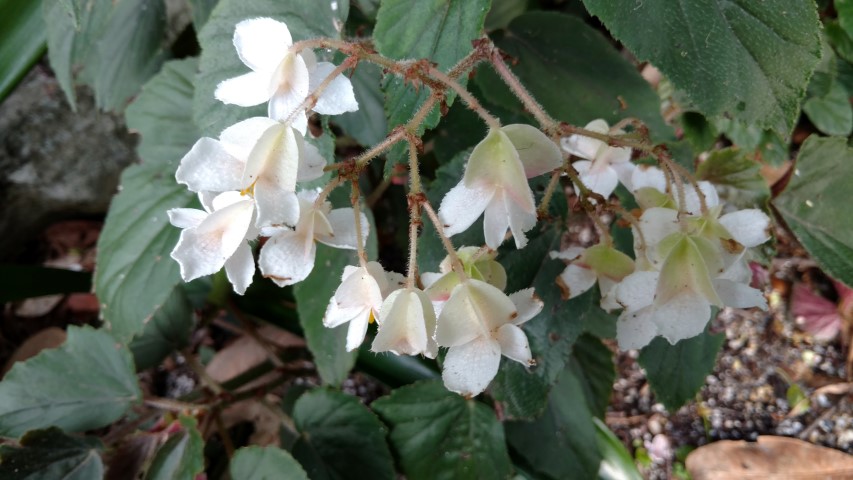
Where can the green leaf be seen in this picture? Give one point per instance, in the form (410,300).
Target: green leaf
(52,455)
(560,443)
(439,30)
(167,331)
(265,463)
(725,54)
(831,114)
(592,364)
(201,12)
(135,275)
(181,457)
(814,204)
(742,175)
(18,282)
(845,14)
(22,41)
(574,72)
(86,383)
(437,434)
(616,462)
(503,11)
(328,345)
(219,60)
(677,372)
(339,438)
(367,124)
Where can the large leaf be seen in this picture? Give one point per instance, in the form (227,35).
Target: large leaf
(439,30)
(592,364)
(135,275)
(86,383)
(22,41)
(114,45)
(339,438)
(52,455)
(168,330)
(437,434)
(814,204)
(574,72)
(740,58)
(264,463)
(738,174)
(219,60)
(676,372)
(181,457)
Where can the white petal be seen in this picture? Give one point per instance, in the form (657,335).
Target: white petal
(246,90)
(459,323)
(514,344)
(290,87)
(286,260)
(607,287)
(359,290)
(469,368)
(522,217)
(209,166)
(186,217)
(311,163)
(615,155)
(495,221)
(648,176)
(749,227)
(739,295)
(402,324)
(300,123)
(684,316)
(538,154)
(261,43)
(356,332)
(461,207)
(570,253)
(338,97)
(439,285)
(691,198)
(577,280)
(602,181)
(527,304)
(625,174)
(274,159)
(240,268)
(225,199)
(656,224)
(637,290)
(342,221)
(635,329)
(335,315)
(206,200)
(586,147)
(239,139)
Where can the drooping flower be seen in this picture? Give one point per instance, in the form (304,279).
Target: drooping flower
(217,238)
(258,156)
(288,256)
(600,263)
(603,166)
(495,183)
(358,299)
(406,324)
(478,263)
(280,76)
(478,324)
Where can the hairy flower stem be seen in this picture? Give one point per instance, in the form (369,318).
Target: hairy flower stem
(414,212)
(548,124)
(312,97)
(678,169)
(466,96)
(542,210)
(359,241)
(455,262)
(333,184)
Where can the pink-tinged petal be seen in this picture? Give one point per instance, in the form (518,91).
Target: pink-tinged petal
(440,285)
(576,280)
(648,176)
(527,304)
(403,324)
(240,268)
(495,221)
(469,368)
(570,253)
(287,258)
(538,154)
(261,43)
(239,139)
(461,207)
(749,227)
(342,221)
(245,91)
(637,290)
(635,329)
(739,295)
(514,344)
(186,217)
(356,332)
(338,97)
(682,317)
(209,166)
(815,314)
(602,181)
(311,163)
(289,87)
(521,217)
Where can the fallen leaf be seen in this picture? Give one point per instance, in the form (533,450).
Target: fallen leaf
(770,458)
(815,314)
(50,337)
(246,353)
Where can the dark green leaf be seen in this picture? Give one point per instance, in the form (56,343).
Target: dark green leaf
(725,54)
(677,372)
(814,204)
(840,40)
(181,457)
(201,12)
(439,30)
(698,130)
(561,443)
(503,11)
(367,125)
(740,175)
(18,282)
(845,14)
(592,364)
(439,435)
(340,438)
(616,462)
(52,455)
(265,463)
(219,60)
(574,72)
(22,41)
(167,331)
(86,383)
(832,113)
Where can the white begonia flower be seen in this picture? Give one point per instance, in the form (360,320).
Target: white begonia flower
(478,324)
(495,182)
(406,324)
(259,156)
(358,299)
(282,77)
(477,263)
(600,263)
(603,166)
(288,256)
(217,238)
